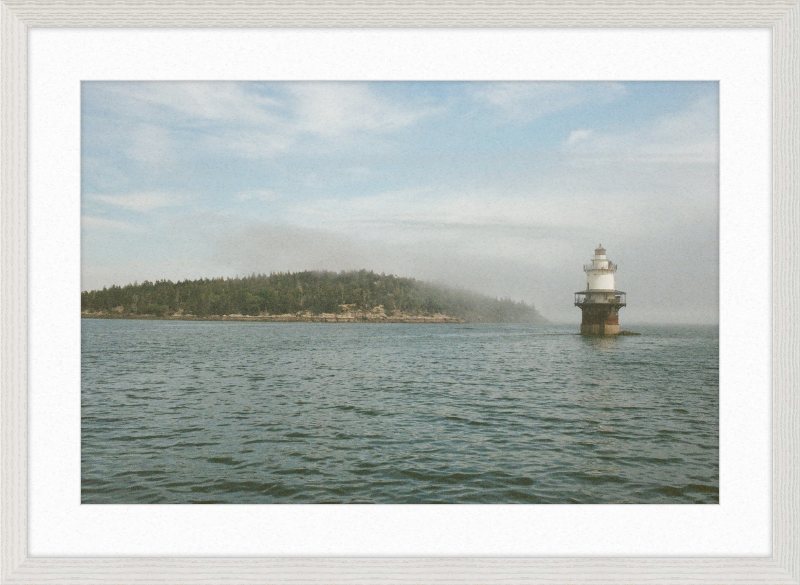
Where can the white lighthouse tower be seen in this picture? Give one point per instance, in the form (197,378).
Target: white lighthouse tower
(601,301)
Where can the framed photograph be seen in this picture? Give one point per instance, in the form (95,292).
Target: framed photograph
(352,255)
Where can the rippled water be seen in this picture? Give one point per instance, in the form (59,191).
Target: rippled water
(191,412)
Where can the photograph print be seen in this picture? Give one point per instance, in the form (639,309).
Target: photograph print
(399,292)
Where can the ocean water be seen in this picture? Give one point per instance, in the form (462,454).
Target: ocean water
(227,412)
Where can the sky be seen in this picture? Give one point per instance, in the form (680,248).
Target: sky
(504,188)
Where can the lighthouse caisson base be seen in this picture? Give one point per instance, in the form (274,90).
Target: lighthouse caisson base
(600,319)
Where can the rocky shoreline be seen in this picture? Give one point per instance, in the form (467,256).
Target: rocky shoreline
(375,316)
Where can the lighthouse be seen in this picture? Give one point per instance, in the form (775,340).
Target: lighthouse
(601,301)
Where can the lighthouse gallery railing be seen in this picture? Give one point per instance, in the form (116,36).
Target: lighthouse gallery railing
(611,267)
(581,298)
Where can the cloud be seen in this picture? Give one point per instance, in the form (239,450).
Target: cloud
(250,143)
(239,118)
(473,218)
(93,223)
(692,132)
(578,135)
(141,202)
(150,144)
(199,101)
(313,111)
(358,171)
(333,109)
(690,136)
(257,195)
(526,101)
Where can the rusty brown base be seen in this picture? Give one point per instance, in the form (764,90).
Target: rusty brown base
(600,319)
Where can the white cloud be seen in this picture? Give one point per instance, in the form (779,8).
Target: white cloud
(91,222)
(693,132)
(238,118)
(526,101)
(359,171)
(332,109)
(257,195)
(140,201)
(578,136)
(414,215)
(150,144)
(690,136)
(251,143)
(203,101)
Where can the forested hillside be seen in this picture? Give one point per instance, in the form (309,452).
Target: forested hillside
(303,292)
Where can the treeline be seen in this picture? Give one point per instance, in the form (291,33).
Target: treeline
(315,292)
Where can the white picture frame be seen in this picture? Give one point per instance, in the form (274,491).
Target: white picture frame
(783,17)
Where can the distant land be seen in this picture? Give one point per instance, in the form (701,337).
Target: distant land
(315,296)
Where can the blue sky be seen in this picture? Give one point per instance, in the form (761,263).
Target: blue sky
(504,188)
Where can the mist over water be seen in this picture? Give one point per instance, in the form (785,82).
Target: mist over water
(210,412)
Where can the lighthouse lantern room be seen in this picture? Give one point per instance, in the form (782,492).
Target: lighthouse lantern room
(600,302)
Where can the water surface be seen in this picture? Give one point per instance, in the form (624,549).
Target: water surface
(232,412)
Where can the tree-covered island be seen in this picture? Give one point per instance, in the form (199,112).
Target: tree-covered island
(360,296)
